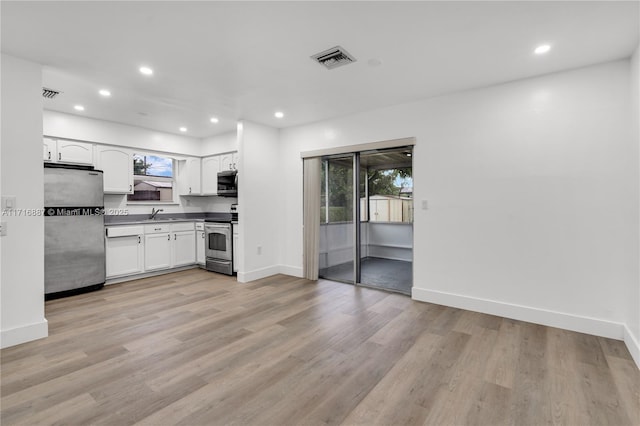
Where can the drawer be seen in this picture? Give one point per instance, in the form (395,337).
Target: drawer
(182,226)
(124,231)
(199,226)
(157,228)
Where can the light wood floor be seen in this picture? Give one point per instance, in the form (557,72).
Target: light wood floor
(196,348)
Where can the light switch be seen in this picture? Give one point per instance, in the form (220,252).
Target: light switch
(9,202)
(424,204)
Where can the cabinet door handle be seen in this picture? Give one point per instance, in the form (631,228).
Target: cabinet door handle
(139,239)
(230,166)
(130,188)
(175,236)
(235,167)
(49,155)
(169,237)
(203,235)
(189,190)
(59,156)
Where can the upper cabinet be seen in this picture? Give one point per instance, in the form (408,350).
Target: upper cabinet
(229,161)
(199,176)
(66,151)
(117,165)
(210,169)
(190,176)
(50,149)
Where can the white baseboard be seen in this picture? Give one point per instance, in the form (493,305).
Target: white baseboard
(293,271)
(597,327)
(632,344)
(141,275)
(23,334)
(245,277)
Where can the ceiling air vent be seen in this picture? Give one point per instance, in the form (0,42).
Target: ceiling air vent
(333,58)
(49,93)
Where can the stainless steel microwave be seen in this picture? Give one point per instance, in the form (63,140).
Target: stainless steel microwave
(228,183)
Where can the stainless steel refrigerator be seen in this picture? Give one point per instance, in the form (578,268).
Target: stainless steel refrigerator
(74,258)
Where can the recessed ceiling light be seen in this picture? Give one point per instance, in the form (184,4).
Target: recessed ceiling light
(78,107)
(214,120)
(105,93)
(146,71)
(278,114)
(183,129)
(543,48)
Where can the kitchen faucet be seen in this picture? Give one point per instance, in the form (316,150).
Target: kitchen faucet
(154,212)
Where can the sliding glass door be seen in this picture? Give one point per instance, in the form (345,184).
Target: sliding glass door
(337,232)
(366,219)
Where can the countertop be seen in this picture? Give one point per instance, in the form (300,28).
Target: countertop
(143,219)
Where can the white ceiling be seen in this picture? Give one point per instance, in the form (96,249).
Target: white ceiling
(245,60)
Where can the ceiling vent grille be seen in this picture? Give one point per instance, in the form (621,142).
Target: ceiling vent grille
(333,58)
(49,93)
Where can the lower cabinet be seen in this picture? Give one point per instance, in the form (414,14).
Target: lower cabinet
(135,249)
(157,251)
(183,249)
(200,244)
(124,251)
(235,247)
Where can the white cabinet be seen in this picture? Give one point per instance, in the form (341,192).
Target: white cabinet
(75,152)
(157,247)
(169,245)
(229,161)
(67,151)
(200,244)
(117,165)
(189,177)
(183,244)
(133,249)
(199,176)
(50,149)
(124,250)
(235,247)
(210,169)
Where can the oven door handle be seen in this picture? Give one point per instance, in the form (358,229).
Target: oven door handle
(216,227)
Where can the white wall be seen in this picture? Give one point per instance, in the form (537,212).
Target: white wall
(260,181)
(68,126)
(22,270)
(219,144)
(633,322)
(530,190)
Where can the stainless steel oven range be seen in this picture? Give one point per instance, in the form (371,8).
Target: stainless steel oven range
(218,248)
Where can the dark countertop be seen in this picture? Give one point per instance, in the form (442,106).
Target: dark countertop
(134,219)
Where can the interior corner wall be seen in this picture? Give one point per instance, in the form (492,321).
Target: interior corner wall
(632,336)
(219,144)
(70,126)
(530,195)
(260,181)
(22,262)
